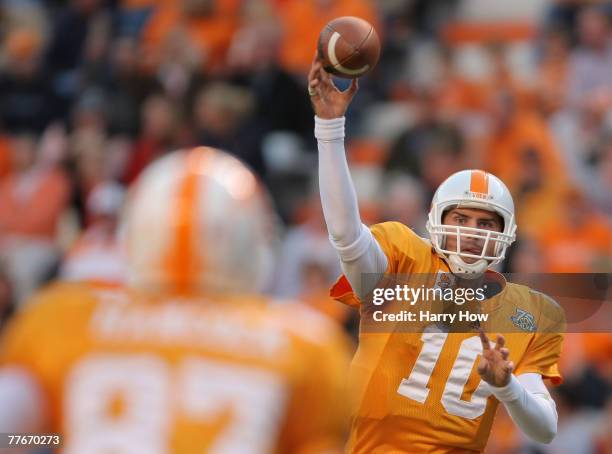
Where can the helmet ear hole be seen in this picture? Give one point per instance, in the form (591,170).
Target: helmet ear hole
(501,221)
(446,212)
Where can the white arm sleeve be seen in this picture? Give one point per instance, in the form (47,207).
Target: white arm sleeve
(530,406)
(21,405)
(358,249)
(20,401)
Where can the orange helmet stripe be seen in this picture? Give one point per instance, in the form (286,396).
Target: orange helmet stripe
(479,182)
(182,264)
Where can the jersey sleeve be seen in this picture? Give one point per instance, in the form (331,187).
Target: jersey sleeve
(544,350)
(402,246)
(403,249)
(21,339)
(542,357)
(37,338)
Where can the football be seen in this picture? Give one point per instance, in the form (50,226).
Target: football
(349,47)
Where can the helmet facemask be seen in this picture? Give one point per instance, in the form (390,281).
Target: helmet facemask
(477,263)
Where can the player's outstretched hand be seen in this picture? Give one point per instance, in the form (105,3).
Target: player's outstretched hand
(494,367)
(327,101)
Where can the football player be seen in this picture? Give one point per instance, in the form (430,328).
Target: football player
(435,389)
(188,358)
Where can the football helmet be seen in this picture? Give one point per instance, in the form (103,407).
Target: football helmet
(471,189)
(198,221)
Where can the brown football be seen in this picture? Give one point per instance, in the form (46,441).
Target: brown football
(349,47)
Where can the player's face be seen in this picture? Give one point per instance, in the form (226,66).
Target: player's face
(475,218)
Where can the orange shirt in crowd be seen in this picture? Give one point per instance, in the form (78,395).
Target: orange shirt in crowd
(537,209)
(303,20)
(458,93)
(587,348)
(5,156)
(32,203)
(505,150)
(576,249)
(212,35)
(552,84)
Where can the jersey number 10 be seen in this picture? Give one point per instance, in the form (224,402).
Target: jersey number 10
(415,386)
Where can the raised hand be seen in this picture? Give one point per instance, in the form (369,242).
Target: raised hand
(494,367)
(327,101)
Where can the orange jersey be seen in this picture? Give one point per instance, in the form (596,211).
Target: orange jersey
(125,372)
(420,392)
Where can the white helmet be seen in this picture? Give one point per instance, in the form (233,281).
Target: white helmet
(197,220)
(472,189)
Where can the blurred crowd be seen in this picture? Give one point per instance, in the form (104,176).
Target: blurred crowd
(91,91)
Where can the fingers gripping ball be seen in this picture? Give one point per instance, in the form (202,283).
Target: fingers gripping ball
(349,47)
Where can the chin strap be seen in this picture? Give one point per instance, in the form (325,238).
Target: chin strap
(467,270)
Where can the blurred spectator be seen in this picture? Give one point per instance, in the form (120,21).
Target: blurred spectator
(601,182)
(26,100)
(563,14)
(537,195)
(315,291)
(405,202)
(32,199)
(591,63)
(6,297)
(90,112)
(159,120)
(95,256)
(306,254)
(578,240)
(456,93)
(502,79)
(5,154)
(281,102)
(205,27)
(585,350)
(78,37)
(129,84)
(30,184)
(134,14)
(524,256)
(552,73)
(89,160)
(516,137)
(223,119)
(603,440)
(428,150)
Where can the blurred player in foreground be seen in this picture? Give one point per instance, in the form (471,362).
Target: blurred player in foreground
(427,390)
(189,358)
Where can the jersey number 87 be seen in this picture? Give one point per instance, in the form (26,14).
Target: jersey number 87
(153,394)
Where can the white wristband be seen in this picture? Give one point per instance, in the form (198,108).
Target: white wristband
(329,130)
(512,391)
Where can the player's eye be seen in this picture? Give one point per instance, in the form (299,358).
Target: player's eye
(486,224)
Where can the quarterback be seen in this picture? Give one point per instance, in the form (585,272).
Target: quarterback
(188,358)
(436,390)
